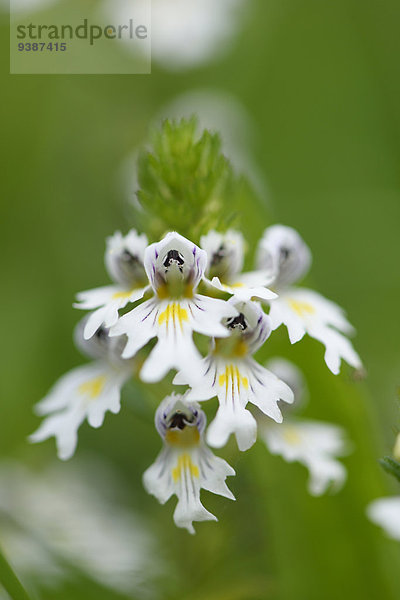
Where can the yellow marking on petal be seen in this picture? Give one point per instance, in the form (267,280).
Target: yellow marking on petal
(237,285)
(175,313)
(184,462)
(231,375)
(122,295)
(301,308)
(183,438)
(291,436)
(93,387)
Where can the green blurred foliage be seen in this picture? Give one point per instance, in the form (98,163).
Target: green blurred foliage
(321,81)
(186,183)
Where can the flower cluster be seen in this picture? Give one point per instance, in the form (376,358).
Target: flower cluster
(155,294)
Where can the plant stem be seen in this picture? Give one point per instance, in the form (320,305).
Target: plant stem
(10,581)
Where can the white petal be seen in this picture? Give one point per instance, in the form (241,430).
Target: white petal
(173,351)
(67,387)
(202,381)
(157,479)
(323,310)
(324,475)
(189,509)
(241,291)
(175,347)
(107,315)
(314,444)
(194,258)
(131,272)
(140,325)
(280,313)
(227,248)
(337,347)
(64,427)
(213,472)
(86,392)
(208,313)
(178,472)
(266,390)
(232,419)
(110,300)
(283,250)
(386,513)
(90,299)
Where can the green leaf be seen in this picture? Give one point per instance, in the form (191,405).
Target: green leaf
(391,466)
(10,581)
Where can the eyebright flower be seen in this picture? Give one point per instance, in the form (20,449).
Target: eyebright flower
(312,443)
(225,262)
(385,512)
(67,517)
(124,263)
(230,372)
(300,309)
(186,464)
(174,267)
(86,392)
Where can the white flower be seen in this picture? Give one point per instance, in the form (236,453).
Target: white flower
(185,465)
(174,267)
(86,392)
(124,263)
(283,251)
(230,372)
(300,309)
(185,33)
(312,443)
(225,253)
(60,519)
(385,512)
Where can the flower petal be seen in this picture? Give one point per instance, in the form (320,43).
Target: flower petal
(107,313)
(185,465)
(139,325)
(192,259)
(314,444)
(282,250)
(90,299)
(232,418)
(385,512)
(124,258)
(241,291)
(85,392)
(207,314)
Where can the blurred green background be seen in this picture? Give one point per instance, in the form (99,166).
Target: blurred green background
(321,83)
